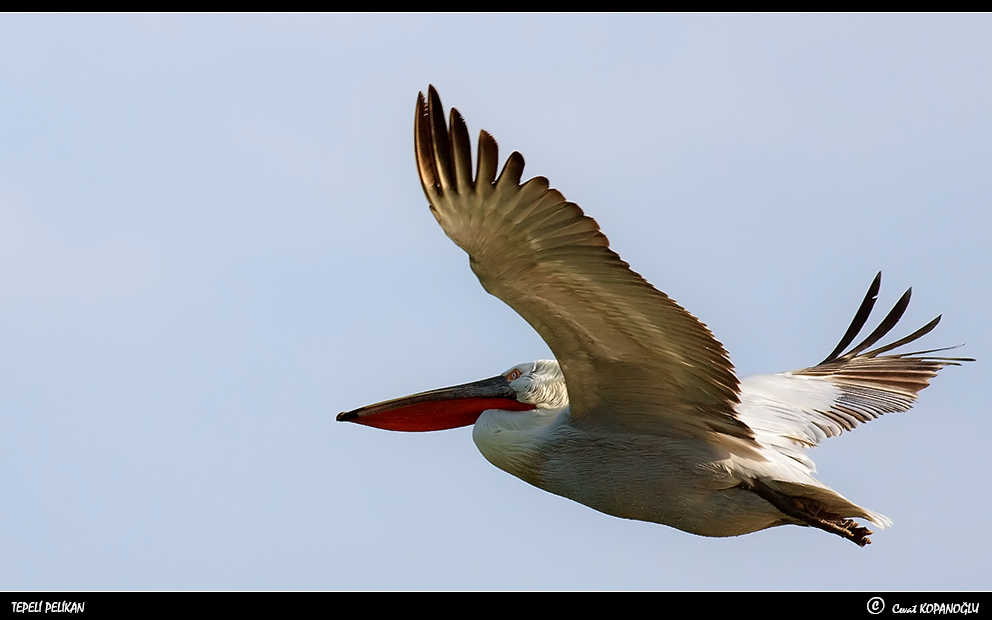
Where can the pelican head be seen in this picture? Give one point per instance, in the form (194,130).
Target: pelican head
(525,387)
(539,383)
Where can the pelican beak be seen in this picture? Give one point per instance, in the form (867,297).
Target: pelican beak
(437,410)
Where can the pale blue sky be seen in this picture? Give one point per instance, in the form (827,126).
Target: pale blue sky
(213,239)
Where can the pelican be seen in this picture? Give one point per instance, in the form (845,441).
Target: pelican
(640,415)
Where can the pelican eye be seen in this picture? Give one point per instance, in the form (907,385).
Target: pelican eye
(513,375)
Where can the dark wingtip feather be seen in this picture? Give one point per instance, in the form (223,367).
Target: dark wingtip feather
(921,332)
(860,318)
(513,170)
(423,148)
(900,374)
(488,160)
(461,152)
(885,326)
(439,136)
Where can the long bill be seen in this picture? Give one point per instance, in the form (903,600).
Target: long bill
(441,409)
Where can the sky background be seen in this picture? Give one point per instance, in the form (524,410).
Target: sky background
(213,240)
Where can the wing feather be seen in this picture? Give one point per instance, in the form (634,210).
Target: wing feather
(631,356)
(795,410)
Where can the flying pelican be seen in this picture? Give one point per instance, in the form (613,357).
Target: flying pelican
(641,416)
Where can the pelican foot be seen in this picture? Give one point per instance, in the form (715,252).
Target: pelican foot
(812,512)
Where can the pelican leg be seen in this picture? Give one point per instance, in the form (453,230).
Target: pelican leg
(811,512)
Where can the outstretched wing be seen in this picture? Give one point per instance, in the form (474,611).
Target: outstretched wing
(632,357)
(795,410)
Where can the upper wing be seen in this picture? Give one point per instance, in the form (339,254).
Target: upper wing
(794,410)
(631,356)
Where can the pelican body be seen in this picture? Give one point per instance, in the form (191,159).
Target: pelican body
(640,415)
